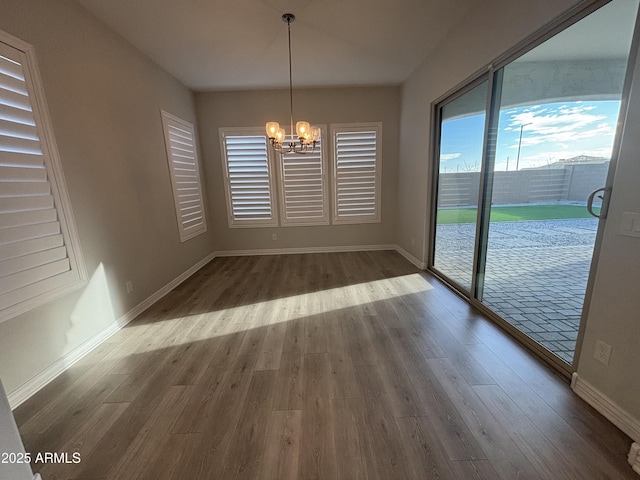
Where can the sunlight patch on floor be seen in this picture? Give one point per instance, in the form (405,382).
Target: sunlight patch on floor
(198,327)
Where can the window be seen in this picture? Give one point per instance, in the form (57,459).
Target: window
(39,250)
(304,195)
(185,176)
(248,177)
(357,170)
(247,161)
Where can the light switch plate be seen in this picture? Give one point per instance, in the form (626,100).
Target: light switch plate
(630,224)
(602,352)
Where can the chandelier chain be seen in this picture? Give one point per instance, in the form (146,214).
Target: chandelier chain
(290,80)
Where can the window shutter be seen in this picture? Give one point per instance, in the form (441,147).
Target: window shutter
(357,173)
(185,176)
(248,178)
(304,188)
(35,260)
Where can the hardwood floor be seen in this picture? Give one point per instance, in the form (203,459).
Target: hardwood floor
(327,366)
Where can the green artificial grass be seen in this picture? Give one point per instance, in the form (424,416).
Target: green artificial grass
(515,214)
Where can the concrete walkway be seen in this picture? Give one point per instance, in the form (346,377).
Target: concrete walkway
(536,274)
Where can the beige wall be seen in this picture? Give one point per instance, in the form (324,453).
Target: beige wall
(105,99)
(318,106)
(614,312)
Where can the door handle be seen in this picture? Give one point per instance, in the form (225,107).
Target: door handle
(604,196)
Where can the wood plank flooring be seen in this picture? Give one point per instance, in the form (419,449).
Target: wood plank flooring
(349,366)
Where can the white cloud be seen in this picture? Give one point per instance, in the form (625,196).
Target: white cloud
(564,124)
(449,156)
(563,136)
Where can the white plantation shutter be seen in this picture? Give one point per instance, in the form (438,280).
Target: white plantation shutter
(185,176)
(37,259)
(248,176)
(357,173)
(303,184)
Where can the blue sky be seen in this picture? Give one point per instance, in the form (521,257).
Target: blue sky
(550,132)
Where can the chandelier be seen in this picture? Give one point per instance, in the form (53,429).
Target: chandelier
(308,136)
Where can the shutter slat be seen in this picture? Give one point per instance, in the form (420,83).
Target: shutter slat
(20,264)
(181,137)
(14,189)
(28,218)
(22,204)
(27,247)
(18,129)
(181,153)
(18,280)
(11,83)
(19,234)
(14,159)
(194,226)
(20,145)
(11,66)
(17,115)
(18,174)
(190,215)
(33,290)
(15,100)
(309,204)
(191,221)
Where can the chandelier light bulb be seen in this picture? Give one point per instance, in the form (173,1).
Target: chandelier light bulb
(315,134)
(272,129)
(302,129)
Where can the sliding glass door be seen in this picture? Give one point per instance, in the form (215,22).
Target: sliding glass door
(524,239)
(462,126)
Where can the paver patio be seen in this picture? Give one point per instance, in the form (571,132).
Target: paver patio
(536,274)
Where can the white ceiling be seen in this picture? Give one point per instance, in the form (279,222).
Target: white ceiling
(242,44)
(604,34)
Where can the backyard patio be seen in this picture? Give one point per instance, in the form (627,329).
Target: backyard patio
(536,273)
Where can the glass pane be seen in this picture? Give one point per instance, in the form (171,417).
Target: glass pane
(558,116)
(460,158)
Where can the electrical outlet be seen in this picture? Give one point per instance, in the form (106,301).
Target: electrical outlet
(274,236)
(602,352)
(129,285)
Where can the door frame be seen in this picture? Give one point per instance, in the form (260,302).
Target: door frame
(436,113)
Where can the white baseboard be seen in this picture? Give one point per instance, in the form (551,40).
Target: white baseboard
(634,457)
(153,298)
(293,251)
(421,265)
(350,248)
(29,388)
(609,409)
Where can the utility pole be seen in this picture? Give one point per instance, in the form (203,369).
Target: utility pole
(520,145)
